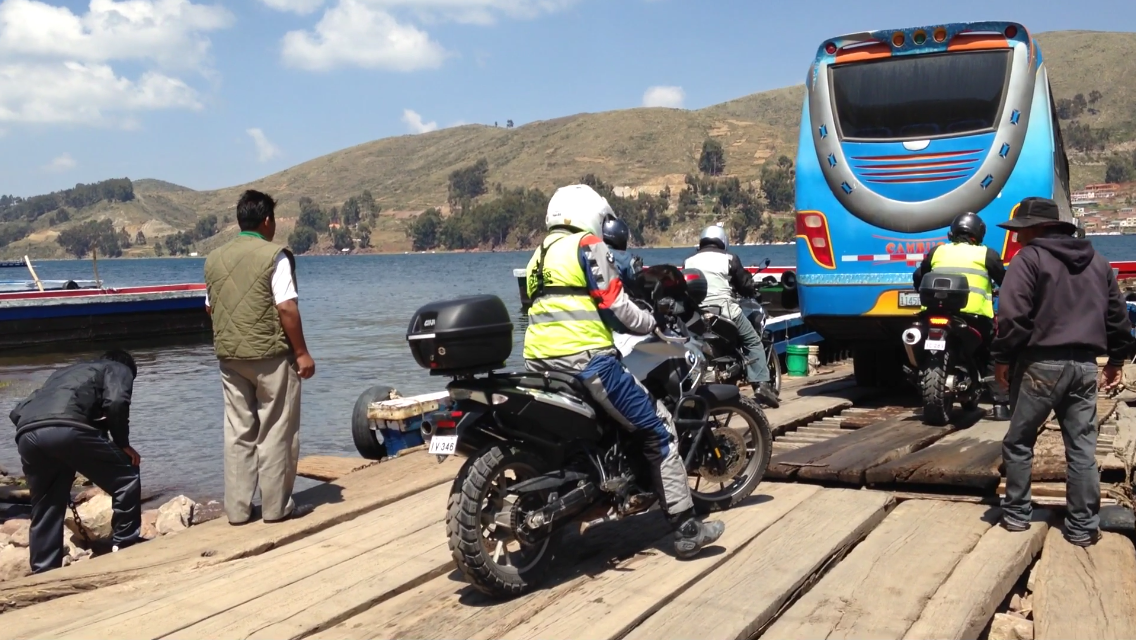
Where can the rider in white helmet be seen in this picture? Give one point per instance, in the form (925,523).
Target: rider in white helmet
(726,279)
(577,301)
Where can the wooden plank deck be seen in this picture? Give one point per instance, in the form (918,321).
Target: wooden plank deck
(797,560)
(1085,593)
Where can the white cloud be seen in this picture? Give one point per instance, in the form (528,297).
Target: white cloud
(265,150)
(671,97)
(415,124)
(301,7)
(57,66)
(353,34)
(61,163)
(72,92)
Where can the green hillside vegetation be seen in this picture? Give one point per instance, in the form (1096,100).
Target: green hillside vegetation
(648,150)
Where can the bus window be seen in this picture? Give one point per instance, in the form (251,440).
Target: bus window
(918,97)
(1060,160)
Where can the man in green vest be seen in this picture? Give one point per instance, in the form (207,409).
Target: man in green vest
(966,255)
(577,301)
(259,340)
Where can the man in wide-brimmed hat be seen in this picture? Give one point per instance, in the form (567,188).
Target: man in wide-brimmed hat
(1059,309)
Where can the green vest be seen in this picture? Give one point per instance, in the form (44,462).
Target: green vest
(968,260)
(238,276)
(563,319)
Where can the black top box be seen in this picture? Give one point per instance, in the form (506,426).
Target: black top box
(462,336)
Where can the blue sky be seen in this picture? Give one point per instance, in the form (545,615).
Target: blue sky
(211,94)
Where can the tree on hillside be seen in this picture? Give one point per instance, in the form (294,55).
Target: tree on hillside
(78,240)
(1120,169)
(423,231)
(351,212)
(1095,96)
(13,231)
(206,227)
(302,239)
(713,159)
(1082,137)
(778,182)
(312,216)
(59,217)
(158,251)
(468,183)
(364,233)
(341,239)
(140,239)
(124,239)
(367,205)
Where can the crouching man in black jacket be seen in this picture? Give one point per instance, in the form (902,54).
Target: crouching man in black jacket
(62,428)
(1059,310)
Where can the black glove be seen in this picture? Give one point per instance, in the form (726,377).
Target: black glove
(666,306)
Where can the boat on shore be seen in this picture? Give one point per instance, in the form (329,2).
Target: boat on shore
(44,315)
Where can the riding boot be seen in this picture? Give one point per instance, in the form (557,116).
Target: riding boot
(692,535)
(765,394)
(1000,413)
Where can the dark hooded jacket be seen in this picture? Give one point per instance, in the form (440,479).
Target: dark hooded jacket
(1060,293)
(89,394)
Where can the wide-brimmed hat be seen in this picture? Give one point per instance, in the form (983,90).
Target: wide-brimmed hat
(1033,212)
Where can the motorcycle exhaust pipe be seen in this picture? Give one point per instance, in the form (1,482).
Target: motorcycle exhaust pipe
(911,338)
(427,429)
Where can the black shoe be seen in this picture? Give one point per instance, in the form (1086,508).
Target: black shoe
(1013,524)
(1000,413)
(765,394)
(692,536)
(1084,540)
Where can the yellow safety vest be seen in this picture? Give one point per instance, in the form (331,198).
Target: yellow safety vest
(968,260)
(563,318)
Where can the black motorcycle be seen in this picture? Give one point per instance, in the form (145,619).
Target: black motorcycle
(727,357)
(941,347)
(541,454)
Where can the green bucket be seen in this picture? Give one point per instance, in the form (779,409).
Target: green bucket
(797,359)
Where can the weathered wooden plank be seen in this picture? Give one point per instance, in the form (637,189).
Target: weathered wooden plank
(881,587)
(1087,593)
(181,601)
(748,590)
(446,607)
(216,541)
(965,603)
(967,458)
(811,403)
(848,457)
(330,468)
(615,601)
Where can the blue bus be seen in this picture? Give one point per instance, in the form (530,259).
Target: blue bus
(901,131)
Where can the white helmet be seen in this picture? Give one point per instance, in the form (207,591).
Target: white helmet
(580,207)
(714,234)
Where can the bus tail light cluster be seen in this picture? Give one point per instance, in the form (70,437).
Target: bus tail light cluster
(1012,247)
(812,226)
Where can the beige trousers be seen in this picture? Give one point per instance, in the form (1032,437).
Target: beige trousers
(262,436)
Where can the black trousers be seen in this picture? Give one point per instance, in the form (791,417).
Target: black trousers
(985,326)
(51,456)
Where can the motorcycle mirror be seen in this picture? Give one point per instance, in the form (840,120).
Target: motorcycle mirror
(767,262)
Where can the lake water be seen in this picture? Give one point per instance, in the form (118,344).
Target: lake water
(355,311)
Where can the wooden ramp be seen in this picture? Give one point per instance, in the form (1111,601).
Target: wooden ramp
(1085,593)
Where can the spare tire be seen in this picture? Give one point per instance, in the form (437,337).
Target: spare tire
(368,442)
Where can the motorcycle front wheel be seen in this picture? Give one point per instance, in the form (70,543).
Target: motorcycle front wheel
(744,443)
(489,555)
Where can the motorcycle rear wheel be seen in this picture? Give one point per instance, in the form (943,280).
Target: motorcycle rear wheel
(936,401)
(758,441)
(479,546)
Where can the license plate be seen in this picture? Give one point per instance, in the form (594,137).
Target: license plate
(909,299)
(443,445)
(935,345)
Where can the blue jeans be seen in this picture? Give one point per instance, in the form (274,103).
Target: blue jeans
(625,399)
(757,366)
(1068,387)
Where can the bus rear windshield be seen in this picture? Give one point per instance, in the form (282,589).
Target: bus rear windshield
(920,96)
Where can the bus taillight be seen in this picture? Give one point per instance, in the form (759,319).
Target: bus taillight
(1012,247)
(813,228)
